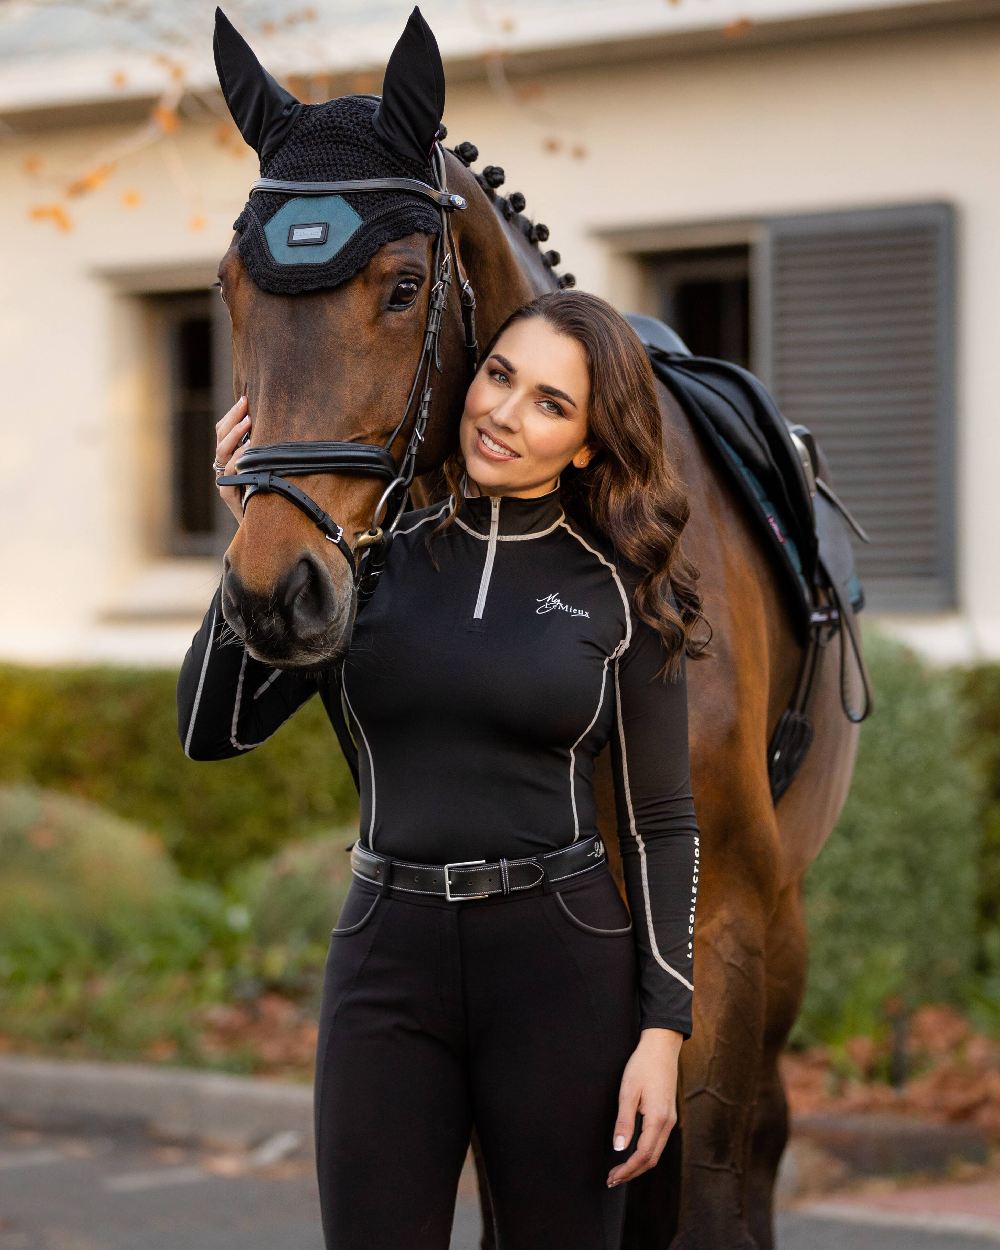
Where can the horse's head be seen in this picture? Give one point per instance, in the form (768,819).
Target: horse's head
(350,334)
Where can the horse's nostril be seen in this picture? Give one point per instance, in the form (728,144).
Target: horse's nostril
(306,600)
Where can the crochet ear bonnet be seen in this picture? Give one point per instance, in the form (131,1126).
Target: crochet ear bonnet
(292,243)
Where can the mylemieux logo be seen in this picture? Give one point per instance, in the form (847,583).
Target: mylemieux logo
(552,603)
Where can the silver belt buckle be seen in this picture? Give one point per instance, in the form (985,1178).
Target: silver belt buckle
(460,863)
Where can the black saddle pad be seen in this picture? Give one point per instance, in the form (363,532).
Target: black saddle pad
(740,419)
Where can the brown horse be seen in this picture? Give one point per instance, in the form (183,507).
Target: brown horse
(336,364)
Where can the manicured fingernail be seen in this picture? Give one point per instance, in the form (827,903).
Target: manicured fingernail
(619,1142)
(612,1184)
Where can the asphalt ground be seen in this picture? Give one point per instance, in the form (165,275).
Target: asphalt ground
(111,1185)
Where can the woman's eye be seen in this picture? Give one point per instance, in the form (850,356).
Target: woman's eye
(497,374)
(405,293)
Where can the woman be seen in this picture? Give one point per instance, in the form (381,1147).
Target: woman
(484,971)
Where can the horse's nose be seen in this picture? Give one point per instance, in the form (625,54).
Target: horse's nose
(305,598)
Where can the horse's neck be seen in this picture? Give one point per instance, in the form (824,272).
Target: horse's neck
(505,271)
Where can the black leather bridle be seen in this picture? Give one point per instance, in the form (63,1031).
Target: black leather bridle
(262,468)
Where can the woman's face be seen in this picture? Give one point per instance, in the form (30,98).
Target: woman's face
(531,396)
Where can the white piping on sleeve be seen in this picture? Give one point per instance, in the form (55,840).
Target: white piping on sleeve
(243,746)
(638,840)
(201,686)
(265,684)
(572,750)
(371,758)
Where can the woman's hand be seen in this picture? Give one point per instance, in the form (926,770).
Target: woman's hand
(649,1085)
(229,433)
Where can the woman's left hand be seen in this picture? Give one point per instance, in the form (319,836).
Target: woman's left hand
(649,1085)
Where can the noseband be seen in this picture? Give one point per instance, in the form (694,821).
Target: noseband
(261,469)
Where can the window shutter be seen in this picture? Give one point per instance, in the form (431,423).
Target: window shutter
(856,343)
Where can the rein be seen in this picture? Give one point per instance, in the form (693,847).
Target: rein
(261,469)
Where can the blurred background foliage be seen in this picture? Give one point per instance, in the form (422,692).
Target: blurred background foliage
(110,735)
(142,890)
(897,908)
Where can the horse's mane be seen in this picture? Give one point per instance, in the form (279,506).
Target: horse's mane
(526,234)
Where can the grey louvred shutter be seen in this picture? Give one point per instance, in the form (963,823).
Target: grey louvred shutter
(856,342)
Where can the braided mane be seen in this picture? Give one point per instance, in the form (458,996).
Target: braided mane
(511,208)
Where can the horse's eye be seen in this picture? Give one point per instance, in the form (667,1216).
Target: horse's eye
(405,293)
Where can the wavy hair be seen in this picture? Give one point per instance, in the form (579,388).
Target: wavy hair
(628,491)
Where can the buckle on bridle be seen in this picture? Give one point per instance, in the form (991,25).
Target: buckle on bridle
(460,863)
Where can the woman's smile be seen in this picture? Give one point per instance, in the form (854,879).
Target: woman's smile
(493,448)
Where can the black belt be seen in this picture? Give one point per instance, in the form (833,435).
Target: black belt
(476,877)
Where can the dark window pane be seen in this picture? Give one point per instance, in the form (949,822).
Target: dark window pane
(194,339)
(194,444)
(704,294)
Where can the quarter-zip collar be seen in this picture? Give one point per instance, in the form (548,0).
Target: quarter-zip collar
(510,516)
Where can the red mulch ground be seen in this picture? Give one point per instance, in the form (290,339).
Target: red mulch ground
(954,1075)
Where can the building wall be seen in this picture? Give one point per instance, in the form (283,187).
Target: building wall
(849,122)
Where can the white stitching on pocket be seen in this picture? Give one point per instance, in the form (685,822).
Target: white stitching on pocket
(353,928)
(589,928)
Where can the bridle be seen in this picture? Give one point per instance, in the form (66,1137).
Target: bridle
(262,468)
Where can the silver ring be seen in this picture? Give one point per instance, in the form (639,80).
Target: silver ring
(219,468)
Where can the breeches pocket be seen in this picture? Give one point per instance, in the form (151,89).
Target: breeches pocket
(362,902)
(592,904)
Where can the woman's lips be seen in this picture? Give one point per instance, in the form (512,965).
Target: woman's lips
(487,451)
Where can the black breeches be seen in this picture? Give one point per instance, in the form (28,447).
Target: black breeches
(515,1015)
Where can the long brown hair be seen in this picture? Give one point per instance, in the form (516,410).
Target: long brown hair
(628,491)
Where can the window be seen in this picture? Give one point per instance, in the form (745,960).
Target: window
(704,295)
(848,319)
(195,340)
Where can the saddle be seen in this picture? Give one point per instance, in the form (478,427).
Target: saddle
(777,468)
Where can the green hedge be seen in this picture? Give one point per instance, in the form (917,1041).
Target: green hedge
(110,735)
(892,899)
(106,950)
(979,690)
(83,891)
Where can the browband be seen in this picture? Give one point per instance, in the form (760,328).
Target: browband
(441,199)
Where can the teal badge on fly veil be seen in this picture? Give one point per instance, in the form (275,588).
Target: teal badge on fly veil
(310,229)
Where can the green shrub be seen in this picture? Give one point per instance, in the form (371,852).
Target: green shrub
(106,949)
(295,895)
(891,900)
(83,891)
(287,905)
(979,689)
(110,735)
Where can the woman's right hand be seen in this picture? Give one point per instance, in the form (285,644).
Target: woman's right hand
(229,433)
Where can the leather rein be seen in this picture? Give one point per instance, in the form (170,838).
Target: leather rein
(261,469)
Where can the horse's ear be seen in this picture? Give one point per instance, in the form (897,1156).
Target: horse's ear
(261,107)
(412,103)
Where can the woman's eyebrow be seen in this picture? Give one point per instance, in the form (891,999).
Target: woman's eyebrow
(542,386)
